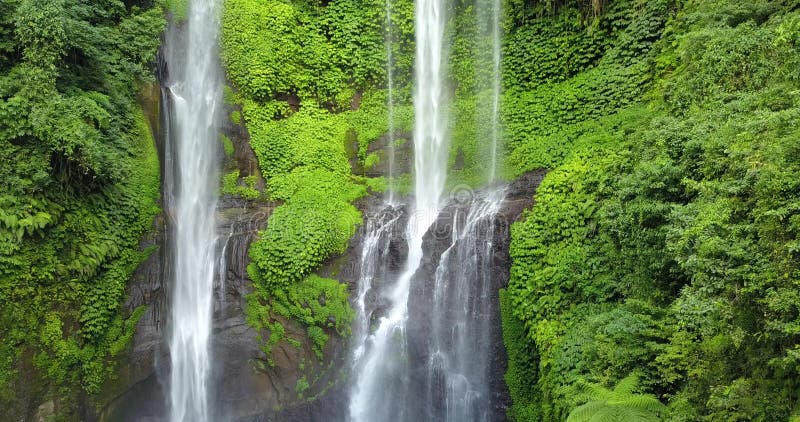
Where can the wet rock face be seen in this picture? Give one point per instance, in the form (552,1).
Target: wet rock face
(518,197)
(143,371)
(403,155)
(331,403)
(245,386)
(345,268)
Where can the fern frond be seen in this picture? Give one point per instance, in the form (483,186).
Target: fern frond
(585,412)
(618,405)
(643,402)
(626,386)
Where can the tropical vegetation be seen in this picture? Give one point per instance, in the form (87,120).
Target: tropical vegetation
(657,276)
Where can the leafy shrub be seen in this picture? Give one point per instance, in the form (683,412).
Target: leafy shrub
(246,189)
(80,186)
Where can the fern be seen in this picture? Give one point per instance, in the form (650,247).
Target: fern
(621,404)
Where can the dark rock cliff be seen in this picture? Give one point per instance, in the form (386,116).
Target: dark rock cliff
(439,238)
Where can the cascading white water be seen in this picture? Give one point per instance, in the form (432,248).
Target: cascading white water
(372,267)
(194,87)
(382,364)
(464,300)
(464,292)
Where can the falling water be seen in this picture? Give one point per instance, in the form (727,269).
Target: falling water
(193,86)
(390,96)
(380,384)
(495,34)
(372,268)
(457,387)
(488,57)
(222,265)
(463,305)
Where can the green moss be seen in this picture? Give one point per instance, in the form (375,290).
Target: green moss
(227,145)
(371,161)
(245,187)
(301,386)
(236,117)
(179,9)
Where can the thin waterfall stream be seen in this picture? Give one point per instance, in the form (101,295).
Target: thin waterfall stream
(389,41)
(193,89)
(496,88)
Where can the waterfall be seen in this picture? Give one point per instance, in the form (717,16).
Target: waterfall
(495,126)
(488,56)
(193,88)
(374,255)
(380,388)
(390,97)
(222,265)
(464,293)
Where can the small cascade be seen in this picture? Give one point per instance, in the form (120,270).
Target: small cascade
(464,300)
(193,89)
(378,396)
(222,265)
(373,270)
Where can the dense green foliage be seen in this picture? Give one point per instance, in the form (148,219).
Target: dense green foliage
(79,176)
(662,256)
(664,240)
(315,302)
(245,187)
(274,49)
(307,78)
(306,165)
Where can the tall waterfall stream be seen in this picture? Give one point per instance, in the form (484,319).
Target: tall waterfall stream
(194,92)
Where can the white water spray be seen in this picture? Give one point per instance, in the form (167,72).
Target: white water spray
(194,89)
(464,293)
